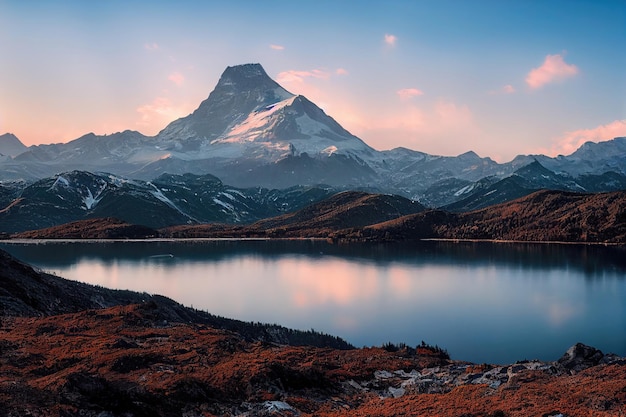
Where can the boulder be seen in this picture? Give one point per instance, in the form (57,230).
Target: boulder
(580,357)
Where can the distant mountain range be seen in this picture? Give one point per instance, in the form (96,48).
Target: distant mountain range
(277,152)
(167,200)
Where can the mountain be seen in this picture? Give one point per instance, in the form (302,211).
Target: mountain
(167,200)
(10,145)
(251,132)
(524,181)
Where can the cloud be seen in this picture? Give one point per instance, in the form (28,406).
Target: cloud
(507,89)
(277,47)
(407,93)
(390,39)
(429,127)
(553,69)
(300,76)
(158,112)
(341,71)
(177,78)
(151,46)
(571,141)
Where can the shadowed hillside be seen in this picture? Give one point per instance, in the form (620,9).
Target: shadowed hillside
(541,216)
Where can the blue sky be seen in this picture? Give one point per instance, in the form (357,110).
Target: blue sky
(498,77)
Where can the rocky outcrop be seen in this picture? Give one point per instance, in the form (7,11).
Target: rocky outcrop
(580,357)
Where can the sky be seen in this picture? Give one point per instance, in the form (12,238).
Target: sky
(500,78)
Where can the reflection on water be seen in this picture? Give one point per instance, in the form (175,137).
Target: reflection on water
(483,302)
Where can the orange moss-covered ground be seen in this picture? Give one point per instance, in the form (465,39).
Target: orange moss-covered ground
(127,360)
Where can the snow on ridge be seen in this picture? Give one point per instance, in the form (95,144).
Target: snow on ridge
(464,190)
(329,150)
(227,195)
(61,180)
(91,201)
(236,192)
(228,206)
(256,123)
(159,195)
(309,126)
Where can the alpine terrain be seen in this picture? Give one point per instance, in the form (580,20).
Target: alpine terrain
(239,155)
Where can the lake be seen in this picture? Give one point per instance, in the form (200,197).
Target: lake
(483,302)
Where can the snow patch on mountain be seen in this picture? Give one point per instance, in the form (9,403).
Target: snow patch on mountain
(256,125)
(157,193)
(330,150)
(465,190)
(90,201)
(60,181)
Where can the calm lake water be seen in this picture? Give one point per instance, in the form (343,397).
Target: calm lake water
(483,302)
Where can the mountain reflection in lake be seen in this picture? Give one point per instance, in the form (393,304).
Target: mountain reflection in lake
(483,302)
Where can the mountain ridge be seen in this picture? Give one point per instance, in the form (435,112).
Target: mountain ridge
(250,132)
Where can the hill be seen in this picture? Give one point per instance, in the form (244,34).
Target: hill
(99,228)
(541,216)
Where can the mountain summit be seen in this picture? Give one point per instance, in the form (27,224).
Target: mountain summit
(251,131)
(241,89)
(249,115)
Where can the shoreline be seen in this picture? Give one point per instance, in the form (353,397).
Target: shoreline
(34,241)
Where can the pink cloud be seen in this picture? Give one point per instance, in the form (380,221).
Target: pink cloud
(159,112)
(300,76)
(434,128)
(407,93)
(151,46)
(507,89)
(570,141)
(390,39)
(341,71)
(177,78)
(277,47)
(554,68)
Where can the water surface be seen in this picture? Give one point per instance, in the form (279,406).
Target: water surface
(483,302)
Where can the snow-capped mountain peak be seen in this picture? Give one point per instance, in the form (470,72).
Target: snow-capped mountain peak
(241,90)
(248,115)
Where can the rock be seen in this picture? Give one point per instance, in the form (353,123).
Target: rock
(580,357)
(396,392)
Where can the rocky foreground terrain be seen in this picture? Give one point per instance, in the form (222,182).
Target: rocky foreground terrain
(69,349)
